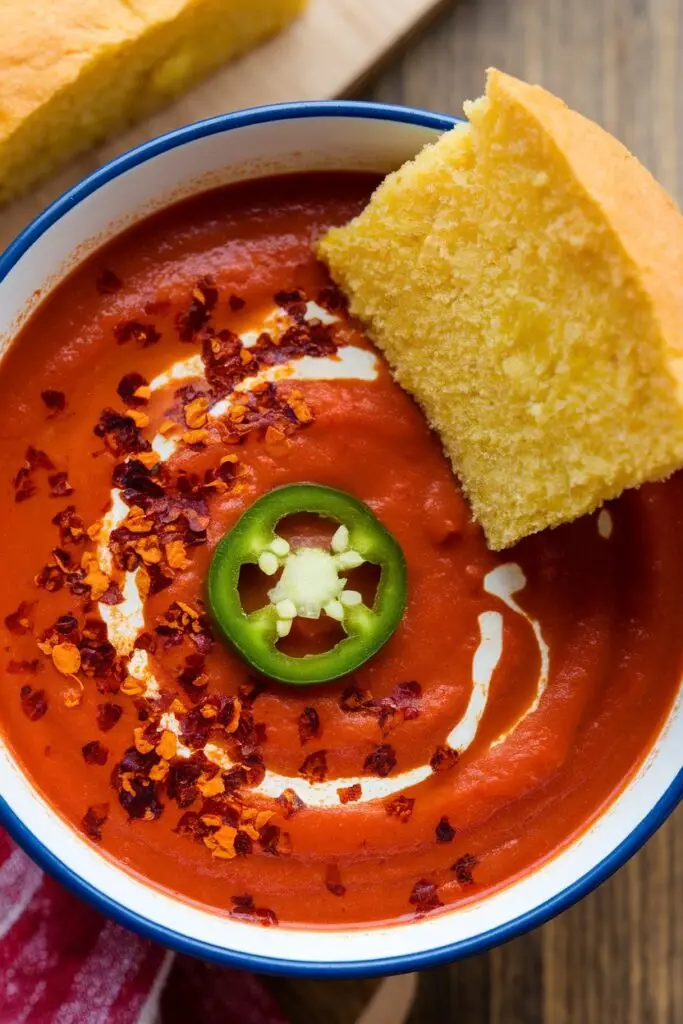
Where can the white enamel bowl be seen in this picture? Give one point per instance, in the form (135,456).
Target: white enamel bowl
(229,148)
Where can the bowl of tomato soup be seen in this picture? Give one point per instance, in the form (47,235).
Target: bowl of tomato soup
(267,695)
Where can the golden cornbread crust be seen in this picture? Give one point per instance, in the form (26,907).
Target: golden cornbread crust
(524,276)
(73,72)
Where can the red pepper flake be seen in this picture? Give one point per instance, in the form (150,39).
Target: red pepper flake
(108,715)
(24,668)
(270,840)
(183,779)
(37,459)
(55,401)
(95,753)
(59,485)
(407,697)
(463,868)
(381,761)
(445,833)
(333,882)
(443,759)
(146,642)
(424,897)
(350,794)
(400,807)
(120,433)
(294,302)
(291,803)
(133,389)
(24,486)
(137,792)
(93,820)
(20,622)
(198,313)
(112,594)
(355,699)
(244,844)
(314,767)
(132,330)
(303,338)
(309,725)
(108,283)
(33,703)
(332,299)
(71,526)
(244,909)
(236,303)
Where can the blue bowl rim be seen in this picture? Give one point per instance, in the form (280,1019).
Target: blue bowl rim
(51,863)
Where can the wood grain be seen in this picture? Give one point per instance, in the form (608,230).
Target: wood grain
(617,957)
(327,51)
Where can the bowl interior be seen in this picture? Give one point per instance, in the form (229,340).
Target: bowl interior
(240,146)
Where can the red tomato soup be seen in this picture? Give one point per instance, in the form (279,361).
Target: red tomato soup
(194,363)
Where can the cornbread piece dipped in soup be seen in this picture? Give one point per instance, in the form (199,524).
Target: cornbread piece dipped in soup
(162,410)
(524,276)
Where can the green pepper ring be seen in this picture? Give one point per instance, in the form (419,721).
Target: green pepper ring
(254,635)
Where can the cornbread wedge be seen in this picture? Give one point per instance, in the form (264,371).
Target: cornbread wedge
(74,71)
(524,276)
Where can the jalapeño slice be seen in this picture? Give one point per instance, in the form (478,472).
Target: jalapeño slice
(310,584)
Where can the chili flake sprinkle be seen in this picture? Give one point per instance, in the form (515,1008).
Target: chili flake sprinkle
(59,485)
(314,767)
(424,897)
(381,761)
(71,526)
(244,909)
(20,622)
(54,400)
(443,759)
(93,820)
(463,868)
(445,833)
(355,699)
(108,715)
(198,313)
(350,794)
(108,283)
(134,390)
(290,803)
(33,703)
(400,807)
(143,335)
(309,725)
(95,752)
(24,485)
(333,881)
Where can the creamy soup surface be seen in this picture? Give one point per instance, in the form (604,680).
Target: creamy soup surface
(183,371)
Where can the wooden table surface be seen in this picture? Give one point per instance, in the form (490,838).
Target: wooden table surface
(617,957)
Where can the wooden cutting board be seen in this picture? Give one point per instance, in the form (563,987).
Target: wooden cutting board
(325,54)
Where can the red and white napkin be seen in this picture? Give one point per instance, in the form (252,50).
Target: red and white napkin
(63,963)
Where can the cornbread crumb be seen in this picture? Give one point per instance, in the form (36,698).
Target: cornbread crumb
(524,276)
(75,71)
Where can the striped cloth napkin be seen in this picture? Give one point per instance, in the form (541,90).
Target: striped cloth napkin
(63,963)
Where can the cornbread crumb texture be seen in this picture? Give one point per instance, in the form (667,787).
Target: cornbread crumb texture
(74,71)
(524,276)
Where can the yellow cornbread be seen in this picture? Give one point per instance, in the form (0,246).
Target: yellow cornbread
(74,71)
(524,276)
